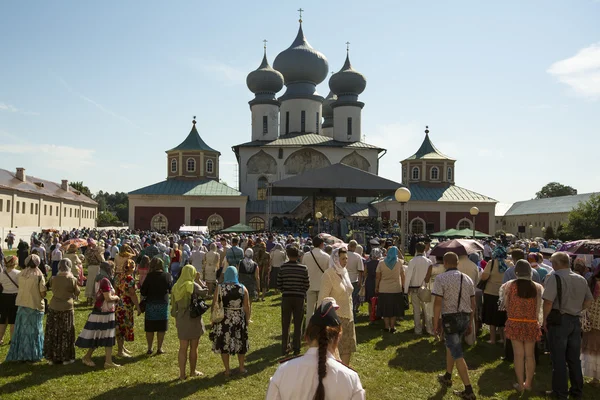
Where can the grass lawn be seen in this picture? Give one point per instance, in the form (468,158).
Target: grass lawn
(391,367)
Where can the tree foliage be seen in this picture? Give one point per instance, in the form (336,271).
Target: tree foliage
(555,189)
(106,218)
(80,187)
(549,234)
(115,203)
(584,221)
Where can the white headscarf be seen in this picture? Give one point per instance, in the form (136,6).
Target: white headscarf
(334,262)
(247,262)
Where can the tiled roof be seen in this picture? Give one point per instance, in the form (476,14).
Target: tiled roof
(307,139)
(193,142)
(43,187)
(200,187)
(356,209)
(277,206)
(553,205)
(421,192)
(428,151)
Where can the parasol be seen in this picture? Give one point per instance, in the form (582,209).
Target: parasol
(587,246)
(76,242)
(332,241)
(461,247)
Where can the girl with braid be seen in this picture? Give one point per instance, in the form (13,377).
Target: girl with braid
(317,375)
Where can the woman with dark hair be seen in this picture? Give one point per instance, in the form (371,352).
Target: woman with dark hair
(335,283)
(155,290)
(494,274)
(59,340)
(99,330)
(27,343)
(590,344)
(317,375)
(522,299)
(22,252)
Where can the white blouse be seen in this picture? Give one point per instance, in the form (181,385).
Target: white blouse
(298,379)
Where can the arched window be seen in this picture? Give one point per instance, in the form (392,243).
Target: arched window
(215,222)
(464,224)
(415,174)
(435,174)
(191,165)
(173,165)
(159,223)
(449,177)
(417,226)
(257,223)
(261,192)
(209,166)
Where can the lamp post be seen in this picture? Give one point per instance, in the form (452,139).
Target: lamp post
(474,211)
(544,232)
(318,216)
(530,231)
(402,196)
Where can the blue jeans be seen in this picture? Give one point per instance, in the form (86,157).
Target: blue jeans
(564,343)
(454,340)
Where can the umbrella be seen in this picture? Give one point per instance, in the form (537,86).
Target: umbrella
(588,246)
(332,241)
(462,247)
(76,242)
(446,233)
(238,228)
(469,233)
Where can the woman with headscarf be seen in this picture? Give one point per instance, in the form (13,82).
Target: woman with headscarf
(249,274)
(277,257)
(494,274)
(93,258)
(175,261)
(125,254)
(522,299)
(155,290)
(261,257)
(388,286)
(59,338)
(189,329)
(22,252)
(76,263)
(8,308)
(143,269)
(124,312)
(590,343)
(212,261)
(335,283)
(99,330)
(230,336)
(27,343)
(371,275)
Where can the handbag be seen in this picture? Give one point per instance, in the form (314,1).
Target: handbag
(424,293)
(450,321)
(218,312)
(143,305)
(197,306)
(554,318)
(482,284)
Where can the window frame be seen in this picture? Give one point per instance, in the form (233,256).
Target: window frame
(437,174)
(187,164)
(173,164)
(210,163)
(412,173)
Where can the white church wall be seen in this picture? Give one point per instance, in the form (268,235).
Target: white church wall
(272,113)
(312,124)
(340,123)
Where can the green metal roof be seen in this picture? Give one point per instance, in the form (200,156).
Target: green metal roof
(193,142)
(277,206)
(200,187)
(553,205)
(428,151)
(306,139)
(420,192)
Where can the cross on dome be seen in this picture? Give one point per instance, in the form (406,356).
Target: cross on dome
(300,10)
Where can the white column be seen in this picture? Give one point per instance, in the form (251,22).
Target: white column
(443,220)
(187,215)
(445,172)
(423,171)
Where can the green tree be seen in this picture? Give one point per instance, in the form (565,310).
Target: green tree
(555,189)
(106,218)
(499,233)
(549,234)
(584,220)
(80,187)
(122,211)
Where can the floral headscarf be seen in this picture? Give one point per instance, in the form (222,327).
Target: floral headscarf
(500,255)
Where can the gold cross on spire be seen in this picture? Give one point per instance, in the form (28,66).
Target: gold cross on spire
(300,10)
(265,43)
(347,47)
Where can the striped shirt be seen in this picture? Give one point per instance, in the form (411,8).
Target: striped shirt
(293,280)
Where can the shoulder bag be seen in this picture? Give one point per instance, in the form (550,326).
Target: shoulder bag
(555,316)
(13,282)
(316,262)
(197,306)
(450,321)
(218,312)
(482,284)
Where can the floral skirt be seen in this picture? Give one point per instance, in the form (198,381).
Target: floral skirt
(347,343)
(590,354)
(523,331)
(59,339)
(230,336)
(27,343)
(125,318)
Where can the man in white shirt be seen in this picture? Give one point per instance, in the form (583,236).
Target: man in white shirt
(317,261)
(197,259)
(114,250)
(487,252)
(356,269)
(469,268)
(418,273)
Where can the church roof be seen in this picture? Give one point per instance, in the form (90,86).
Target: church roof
(428,151)
(306,139)
(356,209)
(198,187)
(452,193)
(193,142)
(553,205)
(277,206)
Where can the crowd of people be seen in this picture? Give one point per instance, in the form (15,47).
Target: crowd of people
(530,296)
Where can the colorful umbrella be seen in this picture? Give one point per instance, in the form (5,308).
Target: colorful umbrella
(462,247)
(588,246)
(76,242)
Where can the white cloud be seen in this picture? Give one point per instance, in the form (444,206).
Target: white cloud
(13,109)
(580,72)
(64,158)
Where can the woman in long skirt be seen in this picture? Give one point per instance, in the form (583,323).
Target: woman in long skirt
(99,330)
(590,344)
(27,343)
(126,307)
(59,340)
(93,259)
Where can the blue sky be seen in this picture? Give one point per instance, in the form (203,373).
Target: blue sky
(97,91)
